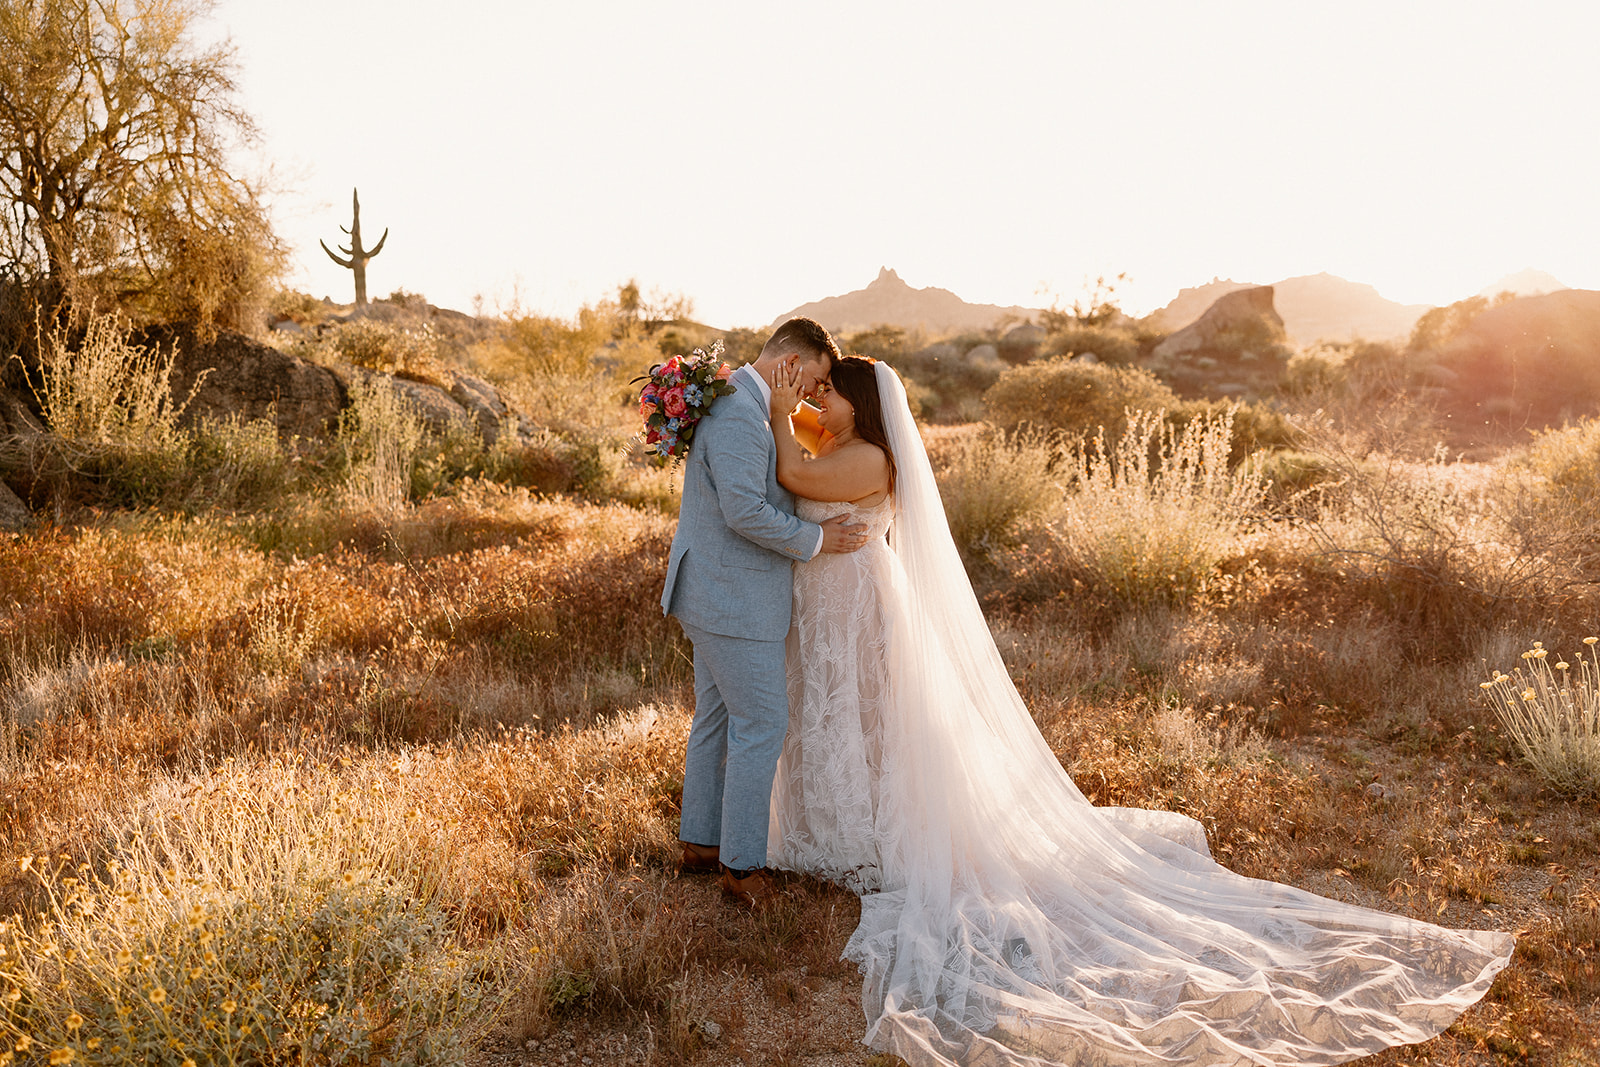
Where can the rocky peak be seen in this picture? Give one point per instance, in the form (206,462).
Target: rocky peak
(887,278)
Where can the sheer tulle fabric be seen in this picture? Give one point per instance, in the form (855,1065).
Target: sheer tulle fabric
(1006,920)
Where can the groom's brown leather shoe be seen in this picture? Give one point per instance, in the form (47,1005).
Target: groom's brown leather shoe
(755,889)
(700,857)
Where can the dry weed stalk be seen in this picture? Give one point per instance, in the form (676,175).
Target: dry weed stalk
(1553,717)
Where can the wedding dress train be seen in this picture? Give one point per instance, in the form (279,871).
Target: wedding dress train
(1005,920)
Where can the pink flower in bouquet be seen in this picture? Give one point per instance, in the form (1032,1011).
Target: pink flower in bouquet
(672,402)
(647,407)
(724,372)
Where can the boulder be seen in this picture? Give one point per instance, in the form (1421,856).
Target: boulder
(1244,315)
(16,417)
(1022,343)
(483,403)
(439,411)
(247,379)
(14,514)
(1025,334)
(985,357)
(467,401)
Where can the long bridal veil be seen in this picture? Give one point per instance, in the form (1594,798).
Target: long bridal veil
(1020,924)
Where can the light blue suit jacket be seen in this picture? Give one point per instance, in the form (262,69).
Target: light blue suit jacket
(731,571)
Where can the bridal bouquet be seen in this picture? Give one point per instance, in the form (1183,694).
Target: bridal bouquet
(676,396)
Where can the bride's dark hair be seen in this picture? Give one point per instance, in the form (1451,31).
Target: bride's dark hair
(854,378)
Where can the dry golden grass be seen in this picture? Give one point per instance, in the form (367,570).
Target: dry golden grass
(475,704)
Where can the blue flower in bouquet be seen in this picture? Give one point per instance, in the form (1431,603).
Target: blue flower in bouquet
(674,425)
(692,395)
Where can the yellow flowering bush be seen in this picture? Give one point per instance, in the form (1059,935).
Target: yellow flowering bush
(233,934)
(1553,716)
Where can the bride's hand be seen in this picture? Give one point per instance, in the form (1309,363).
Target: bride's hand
(785,391)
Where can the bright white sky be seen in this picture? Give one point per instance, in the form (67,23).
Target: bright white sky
(756,156)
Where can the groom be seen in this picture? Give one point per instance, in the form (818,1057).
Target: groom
(729,584)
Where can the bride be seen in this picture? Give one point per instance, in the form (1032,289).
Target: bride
(1004,919)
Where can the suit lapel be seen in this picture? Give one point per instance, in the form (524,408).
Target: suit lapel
(750,389)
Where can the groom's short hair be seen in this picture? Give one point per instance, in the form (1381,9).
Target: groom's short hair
(803,337)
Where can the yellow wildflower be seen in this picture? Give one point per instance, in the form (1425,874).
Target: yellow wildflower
(74,1021)
(1485,685)
(92,1044)
(228,1006)
(1590,640)
(1540,653)
(61,1055)
(157,995)
(1527,694)
(124,957)
(24,1042)
(187,1063)
(1562,666)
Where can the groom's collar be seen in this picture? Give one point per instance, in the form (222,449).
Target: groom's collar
(761,385)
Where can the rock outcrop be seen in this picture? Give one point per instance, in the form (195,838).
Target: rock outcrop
(14,514)
(1314,307)
(247,379)
(1244,317)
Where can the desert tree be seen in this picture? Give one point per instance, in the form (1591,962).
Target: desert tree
(115,188)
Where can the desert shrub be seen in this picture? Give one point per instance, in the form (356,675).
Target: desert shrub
(1439,326)
(379,435)
(1256,427)
(993,483)
(305,945)
(546,345)
(389,349)
(1314,372)
(1553,716)
(109,406)
(1114,344)
(302,308)
(1291,475)
(1146,520)
(237,464)
(888,343)
(943,383)
(1070,395)
(1568,462)
(1444,549)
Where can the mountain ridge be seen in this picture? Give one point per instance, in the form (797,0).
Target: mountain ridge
(1314,307)
(888,300)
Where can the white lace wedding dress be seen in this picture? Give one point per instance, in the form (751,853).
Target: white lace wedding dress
(1004,919)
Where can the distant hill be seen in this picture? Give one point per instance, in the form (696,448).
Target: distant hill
(1314,307)
(889,301)
(1527,282)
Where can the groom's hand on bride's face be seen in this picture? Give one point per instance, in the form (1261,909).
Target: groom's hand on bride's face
(841,535)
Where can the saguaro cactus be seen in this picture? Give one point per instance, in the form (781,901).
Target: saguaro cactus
(358,256)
